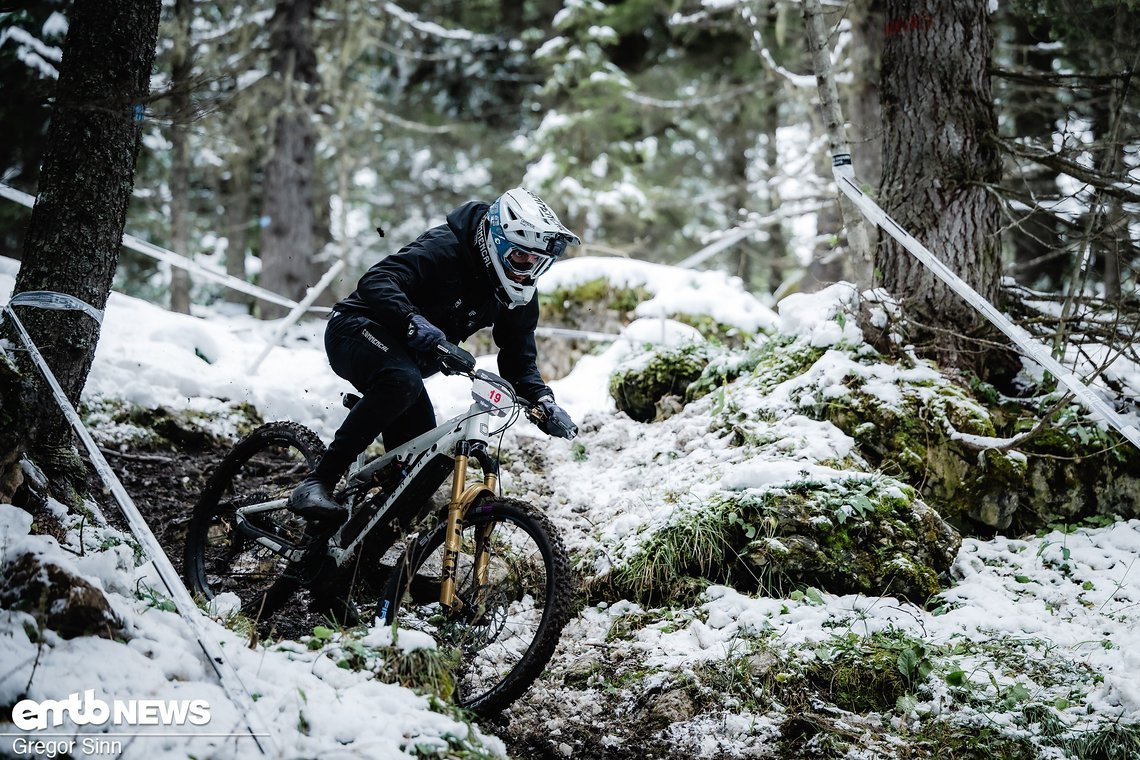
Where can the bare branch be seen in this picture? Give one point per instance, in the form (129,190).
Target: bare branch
(1107,184)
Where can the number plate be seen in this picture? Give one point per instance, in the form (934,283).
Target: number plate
(490,398)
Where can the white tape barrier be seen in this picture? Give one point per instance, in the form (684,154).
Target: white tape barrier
(227,675)
(297,312)
(172,258)
(563,332)
(844,174)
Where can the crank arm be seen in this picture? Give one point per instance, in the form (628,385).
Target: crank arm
(270,541)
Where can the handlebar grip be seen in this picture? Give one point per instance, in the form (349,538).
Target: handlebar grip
(550,424)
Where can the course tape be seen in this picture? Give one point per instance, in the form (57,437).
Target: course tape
(844,174)
(227,675)
(47,299)
(170,257)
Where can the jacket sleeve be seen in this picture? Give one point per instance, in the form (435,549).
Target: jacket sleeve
(518,357)
(393,285)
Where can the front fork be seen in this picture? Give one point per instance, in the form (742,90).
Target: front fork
(462,497)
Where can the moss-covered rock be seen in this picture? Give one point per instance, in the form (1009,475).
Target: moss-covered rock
(601,306)
(691,372)
(909,433)
(767,363)
(115,422)
(935,436)
(581,305)
(57,598)
(952,437)
(638,390)
(860,535)
(867,536)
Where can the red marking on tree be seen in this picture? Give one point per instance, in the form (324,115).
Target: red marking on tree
(911,23)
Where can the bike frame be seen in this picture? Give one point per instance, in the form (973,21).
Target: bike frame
(493,398)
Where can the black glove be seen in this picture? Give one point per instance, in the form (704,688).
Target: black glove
(553,419)
(422,334)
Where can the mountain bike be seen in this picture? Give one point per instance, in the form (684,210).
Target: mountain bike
(488,577)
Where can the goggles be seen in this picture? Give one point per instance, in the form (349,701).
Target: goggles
(529,263)
(526,263)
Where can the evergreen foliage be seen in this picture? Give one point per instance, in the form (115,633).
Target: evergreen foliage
(654,127)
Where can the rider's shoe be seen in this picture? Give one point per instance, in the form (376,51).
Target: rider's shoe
(312,500)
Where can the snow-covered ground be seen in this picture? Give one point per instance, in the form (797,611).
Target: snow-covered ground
(1075,598)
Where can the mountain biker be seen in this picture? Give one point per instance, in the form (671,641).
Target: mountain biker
(477,270)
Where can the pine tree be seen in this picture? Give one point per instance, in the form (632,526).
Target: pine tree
(939,165)
(72,242)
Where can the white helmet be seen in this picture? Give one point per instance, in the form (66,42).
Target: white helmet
(519,238)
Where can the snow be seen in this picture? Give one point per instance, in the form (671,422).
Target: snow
(32,51)
(1072,597)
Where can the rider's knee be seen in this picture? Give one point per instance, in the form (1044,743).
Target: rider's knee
(397,386)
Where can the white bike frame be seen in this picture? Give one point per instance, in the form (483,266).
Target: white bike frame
(492,397)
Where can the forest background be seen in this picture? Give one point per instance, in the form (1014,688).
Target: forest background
(280,134)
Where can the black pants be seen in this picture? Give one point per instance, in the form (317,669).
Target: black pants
(394,402)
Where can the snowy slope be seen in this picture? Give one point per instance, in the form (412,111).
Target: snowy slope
(608,490)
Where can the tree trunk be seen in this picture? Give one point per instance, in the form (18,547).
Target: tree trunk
(866,131)
(939,159)
(1039,258)
(236,189)
(858,240)
(771,96)
(72,241)
(181,66)
(287,243)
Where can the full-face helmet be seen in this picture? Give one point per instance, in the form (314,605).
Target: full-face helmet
(519,238)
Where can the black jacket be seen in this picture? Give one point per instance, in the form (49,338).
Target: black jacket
(441,276)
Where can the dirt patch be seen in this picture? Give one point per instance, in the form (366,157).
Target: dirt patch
(164,485)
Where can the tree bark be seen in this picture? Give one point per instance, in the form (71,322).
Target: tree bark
(866,131)
(72,241)
(287,242)
(236,190)
(181,67)
(858,240)
(940,160)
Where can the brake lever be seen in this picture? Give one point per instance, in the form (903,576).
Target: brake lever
(454,360)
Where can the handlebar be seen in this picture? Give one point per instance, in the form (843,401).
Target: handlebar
(454,360)
(549,424)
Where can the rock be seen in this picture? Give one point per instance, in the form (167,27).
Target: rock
(579,670)
(1063,473)
(637,391)
(881,541)
(671,707)
(868,534)
(668,406)
(58,599)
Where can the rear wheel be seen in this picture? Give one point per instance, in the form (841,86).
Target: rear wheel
(222,555)
(507,627)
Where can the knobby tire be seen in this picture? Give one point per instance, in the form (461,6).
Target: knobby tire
(496,621)
(265,464)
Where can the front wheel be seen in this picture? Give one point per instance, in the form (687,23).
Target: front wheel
(511,614)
